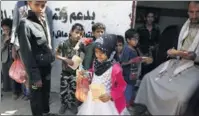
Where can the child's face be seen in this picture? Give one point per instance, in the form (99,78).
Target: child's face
(133,41)
(76,35)
(101,56)
(38,6)
(98,33)
(6,30)
(119,47)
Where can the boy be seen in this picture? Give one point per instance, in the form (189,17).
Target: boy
(65,52)
(37,56)
(119,48)
(21,11)
(98,30)
(129,64)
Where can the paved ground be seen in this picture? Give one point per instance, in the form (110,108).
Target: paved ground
(21,107)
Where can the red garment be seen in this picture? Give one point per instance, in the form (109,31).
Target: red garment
(118,87)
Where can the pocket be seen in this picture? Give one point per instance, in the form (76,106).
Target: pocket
(133,76)
(45,59)
(40,38)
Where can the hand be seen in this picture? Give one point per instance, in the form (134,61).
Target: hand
(14,53)
(6,39)
(80,73)
(147,60)
(172,52)
(68,61)
(87,41)
(105,97)
(65,59)
(136,60)
(187,55)
(183,53)
(38,83)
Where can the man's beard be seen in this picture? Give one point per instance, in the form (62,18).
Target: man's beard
(195,22)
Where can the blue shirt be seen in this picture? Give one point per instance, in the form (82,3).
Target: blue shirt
(128,54)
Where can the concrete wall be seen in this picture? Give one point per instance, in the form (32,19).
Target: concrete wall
(114,14)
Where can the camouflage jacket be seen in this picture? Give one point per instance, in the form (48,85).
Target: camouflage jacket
(66,50)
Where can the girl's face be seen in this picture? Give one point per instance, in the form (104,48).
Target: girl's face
(101,56)
(76,35)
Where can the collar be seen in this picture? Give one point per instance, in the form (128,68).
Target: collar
(32,16)
(153,26)
(72,43)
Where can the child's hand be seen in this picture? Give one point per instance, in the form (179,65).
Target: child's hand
(136,60)
(87,41)
(147,60)
(80,73)
(105,97)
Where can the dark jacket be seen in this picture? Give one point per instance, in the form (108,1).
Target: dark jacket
(6,53)
(34,48)
(89,54)
(21,11)
(148,39)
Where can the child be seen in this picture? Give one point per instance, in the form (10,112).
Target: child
(7,60)
(108,74)
(65,52)
(120,45)
(130,68)
(97,30)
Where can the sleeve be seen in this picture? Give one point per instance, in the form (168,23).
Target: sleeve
(3,46)
(197,56)
(157,39)
(81,47)
(15,25)
(59,48)
(125,56)
(119,85)
(132,54)
(88,60)
(197,59)
(50,23)
(31,66)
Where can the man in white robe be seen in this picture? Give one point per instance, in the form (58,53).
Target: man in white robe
(167,89)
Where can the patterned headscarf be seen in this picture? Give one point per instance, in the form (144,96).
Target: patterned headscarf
(107,44)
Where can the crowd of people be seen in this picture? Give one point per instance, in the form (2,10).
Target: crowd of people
(116,63)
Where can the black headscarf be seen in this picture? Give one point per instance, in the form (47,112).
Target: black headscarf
(106,43)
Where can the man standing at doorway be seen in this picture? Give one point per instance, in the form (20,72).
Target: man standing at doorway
(149,39)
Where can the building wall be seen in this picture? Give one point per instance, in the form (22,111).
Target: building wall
(114,14)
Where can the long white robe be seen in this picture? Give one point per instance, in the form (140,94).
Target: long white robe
(167,89)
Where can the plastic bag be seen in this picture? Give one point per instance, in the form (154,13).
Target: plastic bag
(17,71)
(82,88)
